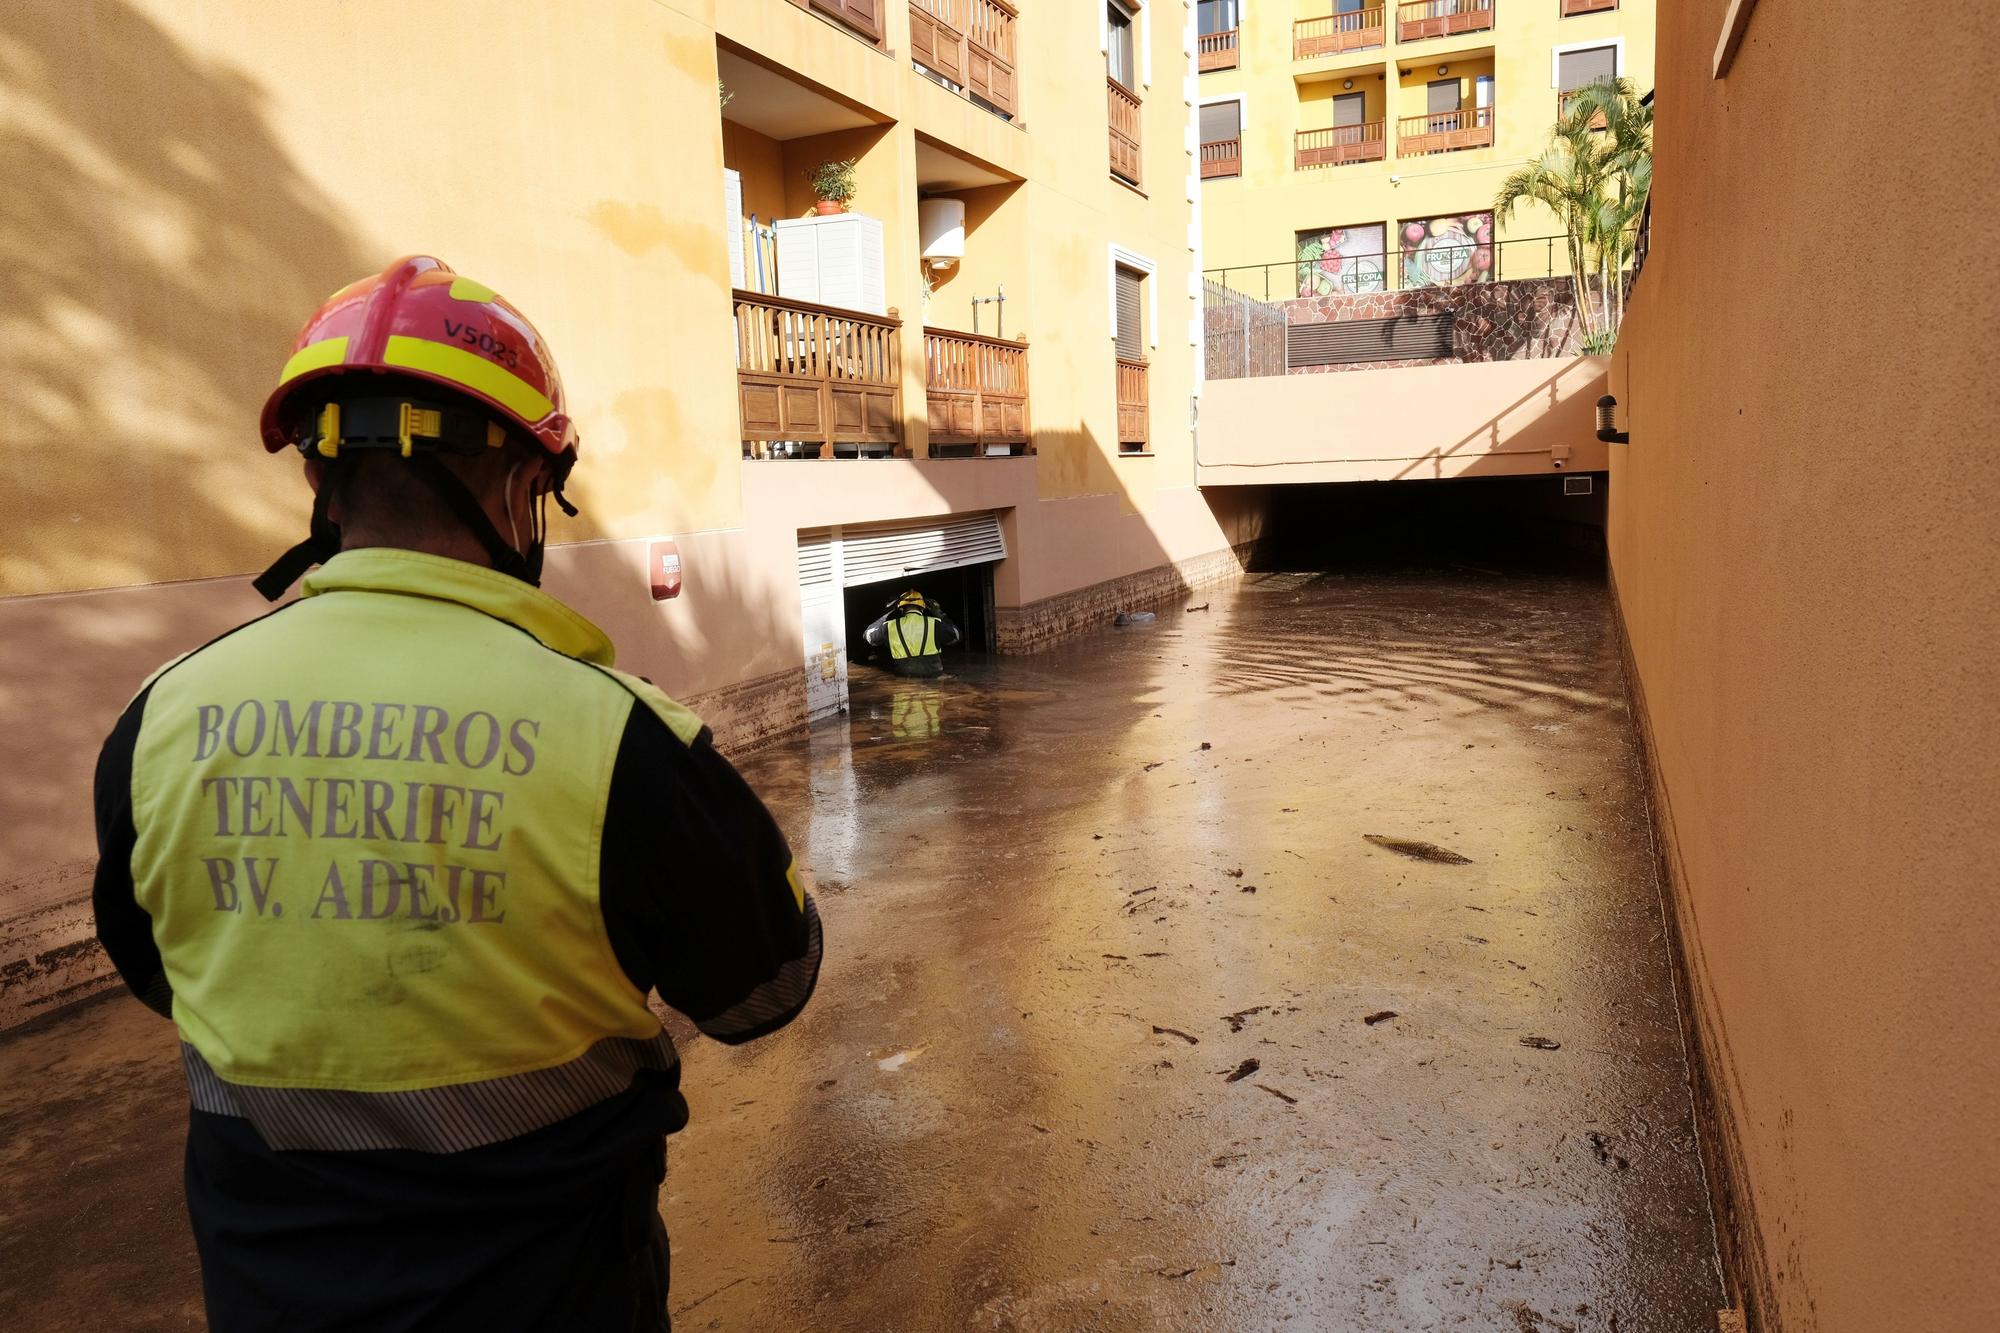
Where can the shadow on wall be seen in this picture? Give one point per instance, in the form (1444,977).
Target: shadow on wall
(158,249)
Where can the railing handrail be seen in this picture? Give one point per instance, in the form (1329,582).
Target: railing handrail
(1439,9)
(1217,41)
(1234,143)
(1353,20)
(1121,90)
(1130,363)
(1359,133)
(743,297)
(1482,118)
(985,339)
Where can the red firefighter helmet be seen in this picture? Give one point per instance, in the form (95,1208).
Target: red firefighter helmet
(419,319)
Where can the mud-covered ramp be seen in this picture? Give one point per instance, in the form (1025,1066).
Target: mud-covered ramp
(1296,961)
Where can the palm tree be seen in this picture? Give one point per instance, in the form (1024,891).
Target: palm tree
(1594,176)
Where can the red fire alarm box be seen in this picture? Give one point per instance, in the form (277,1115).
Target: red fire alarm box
(663,560)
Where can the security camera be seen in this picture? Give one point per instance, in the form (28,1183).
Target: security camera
(1556,463)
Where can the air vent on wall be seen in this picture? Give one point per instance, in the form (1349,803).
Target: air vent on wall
(1401,338)
(1576,485)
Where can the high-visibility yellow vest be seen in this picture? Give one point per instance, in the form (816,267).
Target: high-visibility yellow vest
(912,634)
(368,841)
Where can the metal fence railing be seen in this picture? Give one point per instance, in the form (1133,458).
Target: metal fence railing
(1422,255)
(1245,337)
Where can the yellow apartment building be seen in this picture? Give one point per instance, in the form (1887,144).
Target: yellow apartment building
(981,378)
(1354,146)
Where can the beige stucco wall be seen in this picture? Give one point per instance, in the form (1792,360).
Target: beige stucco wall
(1480,419)
(1804,540)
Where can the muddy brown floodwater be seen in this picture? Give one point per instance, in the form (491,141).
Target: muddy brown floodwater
(1293,962)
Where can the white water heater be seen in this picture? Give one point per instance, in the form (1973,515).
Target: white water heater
(941,228)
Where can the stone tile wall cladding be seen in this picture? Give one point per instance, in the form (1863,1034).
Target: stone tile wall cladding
(1044,624)
(1496,321)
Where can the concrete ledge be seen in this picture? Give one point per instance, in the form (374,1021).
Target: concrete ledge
(1043,624)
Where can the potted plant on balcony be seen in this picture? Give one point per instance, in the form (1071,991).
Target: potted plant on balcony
(833,185)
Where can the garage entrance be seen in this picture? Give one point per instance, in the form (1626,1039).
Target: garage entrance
(849,575)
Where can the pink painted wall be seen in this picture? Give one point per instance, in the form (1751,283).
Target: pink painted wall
(1495,418)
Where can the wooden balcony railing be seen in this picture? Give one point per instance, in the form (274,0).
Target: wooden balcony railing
(1132,400)
(1571,8)
(971,43)
(1442,18)
(1222,157)
(976,392)
(818,375)
(1330,34)
(861,16)
(1124,118)
(1217,50)
(1445,131)
(1339,146)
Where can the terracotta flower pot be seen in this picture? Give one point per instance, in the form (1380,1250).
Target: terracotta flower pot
(828,207)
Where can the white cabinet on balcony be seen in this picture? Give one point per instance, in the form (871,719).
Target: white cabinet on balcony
(835,260)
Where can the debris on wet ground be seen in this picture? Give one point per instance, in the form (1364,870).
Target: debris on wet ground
(1248,888)
(891,1063)
(1209,1272)
(1244,1070)
(1542,1043)
(1242,1016)
(1380,1016)
(1206,746)
(1118,956)
(1176,1032)
(1228,1159)
(1600,1148)
(1418,851)
(1284,1097)
(1135,618)
(1192,609)
(1158,763)
(1236,873)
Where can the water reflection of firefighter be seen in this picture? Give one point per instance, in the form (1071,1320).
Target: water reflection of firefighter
(916,712)
(915,630)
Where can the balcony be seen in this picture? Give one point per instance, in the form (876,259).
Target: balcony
(1330,34)
(1445,131)
(863,18)
(976,394)
(1572,8)
(1124,119)
(1442,18)
(1132,410)
(1563,100)
(814,381)
(1339,146)
(1222,157)
(969,44)
(1217,50)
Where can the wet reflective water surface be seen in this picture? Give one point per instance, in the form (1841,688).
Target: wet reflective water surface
(1297,960)
(1293,962)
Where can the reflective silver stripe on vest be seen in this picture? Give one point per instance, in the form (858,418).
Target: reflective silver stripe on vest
(777,997)
(447,1119)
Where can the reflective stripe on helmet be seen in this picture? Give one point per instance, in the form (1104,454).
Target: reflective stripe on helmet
(469,370)
(314,356)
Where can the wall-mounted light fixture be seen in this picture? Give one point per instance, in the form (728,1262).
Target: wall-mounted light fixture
(1347,83)
(1607,422)
(1443,70)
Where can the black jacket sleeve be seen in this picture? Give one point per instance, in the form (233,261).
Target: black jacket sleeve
(696,886)
(123,927)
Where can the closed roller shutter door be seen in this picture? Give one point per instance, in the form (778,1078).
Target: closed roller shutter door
(815,559)
(887,552)
(1580,69)
(1407,338)
(1131,342)
(1221,120)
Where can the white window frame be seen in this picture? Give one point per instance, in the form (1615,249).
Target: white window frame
(1556,53)
(1132,259)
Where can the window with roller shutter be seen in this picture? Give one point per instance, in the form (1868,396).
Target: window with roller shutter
(1221,139)
(1131,324)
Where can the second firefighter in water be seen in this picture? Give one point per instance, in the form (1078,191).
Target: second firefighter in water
(915,630)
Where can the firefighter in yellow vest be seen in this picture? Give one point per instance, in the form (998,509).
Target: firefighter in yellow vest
(403,859)
(915,630)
